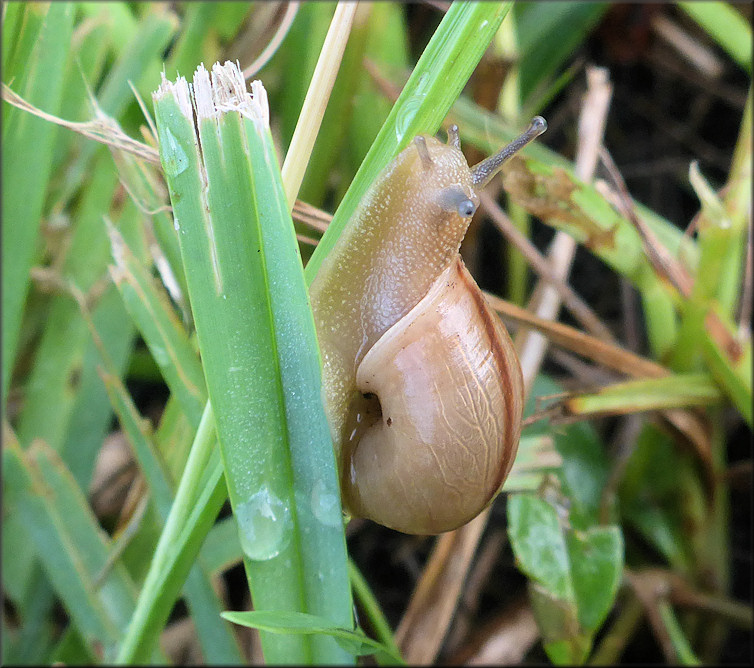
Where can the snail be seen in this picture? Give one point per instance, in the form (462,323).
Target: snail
(421,384)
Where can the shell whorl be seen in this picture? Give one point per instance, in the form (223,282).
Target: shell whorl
(450,392)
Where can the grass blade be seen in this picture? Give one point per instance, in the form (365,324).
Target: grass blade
(165,336)
(261,363)
(70,543)
(25,182)
(677,391)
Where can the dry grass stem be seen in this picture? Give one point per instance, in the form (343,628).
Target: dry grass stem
(702,58)
(504,640)
(313,109)
(285,24)
(545,301)
(311,216)
(577,306)
(103,129)
(662,260)
(586,345)
(433,602)
(478,578)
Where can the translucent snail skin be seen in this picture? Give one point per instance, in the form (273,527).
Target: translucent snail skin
(422,387)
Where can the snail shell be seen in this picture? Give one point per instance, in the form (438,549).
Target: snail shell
(422,387)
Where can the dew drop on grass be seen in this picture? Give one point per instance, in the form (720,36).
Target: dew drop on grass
(406,116)
(325,505)
(264,525)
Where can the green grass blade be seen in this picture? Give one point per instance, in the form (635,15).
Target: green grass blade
(438,78)
(548,34)
(91,415)
(136,63)
(681,645)
(145,187)
(328,149)
(217,642)
(70,543)
(91,45)
(677,391)
(222,548)
(729,360)
(53,383)
(198,41)
(90,412)
(259,352)
(28,144)
(13,16)
(165,336)
(372,610)
(297,62)
(118,15)
(386,45)
(290,622)
(191,516)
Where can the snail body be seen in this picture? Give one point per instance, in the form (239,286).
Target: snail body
(422,387)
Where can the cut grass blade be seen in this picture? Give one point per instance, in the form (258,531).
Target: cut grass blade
(261,362)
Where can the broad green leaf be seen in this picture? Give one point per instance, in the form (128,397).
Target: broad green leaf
(539,544)
(584,469)
(574,574)
(662,495)
(596,559)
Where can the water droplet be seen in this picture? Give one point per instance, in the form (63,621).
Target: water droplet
(175,158)
(484,24)
(264,525)
(406,116)
(325,505)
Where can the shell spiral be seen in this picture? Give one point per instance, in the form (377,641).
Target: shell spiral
(450,390)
